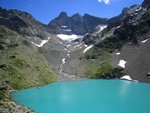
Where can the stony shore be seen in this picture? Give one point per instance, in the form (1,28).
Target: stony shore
(7,105)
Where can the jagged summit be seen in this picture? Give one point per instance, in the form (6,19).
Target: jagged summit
(76,15)
(75,24)
(63,14)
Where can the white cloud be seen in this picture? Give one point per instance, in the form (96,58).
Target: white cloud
(105,1)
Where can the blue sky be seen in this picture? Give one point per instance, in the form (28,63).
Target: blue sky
(46,10)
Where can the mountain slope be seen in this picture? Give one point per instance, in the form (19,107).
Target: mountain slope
(125,36)
(25,25)
(22,63)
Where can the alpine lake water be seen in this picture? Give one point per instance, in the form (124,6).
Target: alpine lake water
(87,96)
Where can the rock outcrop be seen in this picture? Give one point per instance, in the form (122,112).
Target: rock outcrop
(76,24)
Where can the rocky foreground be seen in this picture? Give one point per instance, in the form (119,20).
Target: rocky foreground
(6,103)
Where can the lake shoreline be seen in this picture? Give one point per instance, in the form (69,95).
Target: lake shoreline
(82,79)
(79,85)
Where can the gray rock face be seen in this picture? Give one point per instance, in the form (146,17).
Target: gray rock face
(25,25)
(127,33)
(146,4)
(129,17)
(75,24)
(137,61)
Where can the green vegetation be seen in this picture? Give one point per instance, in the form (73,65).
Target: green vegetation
(98,62)
(105,67)
(21,66)
(99,65)
(8,40)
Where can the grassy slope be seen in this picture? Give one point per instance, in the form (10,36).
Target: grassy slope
(21,66)
(92,64)
(100,65)
(27,69)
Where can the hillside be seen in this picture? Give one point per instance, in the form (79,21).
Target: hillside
(126,38)
(22,63)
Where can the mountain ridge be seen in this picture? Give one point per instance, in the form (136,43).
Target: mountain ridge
(75,24)
(129,34)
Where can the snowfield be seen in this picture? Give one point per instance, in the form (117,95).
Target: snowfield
(102,28)
(122,63)
(118,53)
(78,45)
(42,42)
(86,49)
(138,9)
(63,60)
(144,41)
(126,77)
(68,37)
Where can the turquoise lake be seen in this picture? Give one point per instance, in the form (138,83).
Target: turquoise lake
(87,96)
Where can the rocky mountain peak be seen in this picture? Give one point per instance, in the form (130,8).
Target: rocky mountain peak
(63,14)
(77,16)
(146,4)
(76,24)
(125,11)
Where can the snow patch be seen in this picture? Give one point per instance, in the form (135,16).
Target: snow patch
(28,37)
(144,41)
(118,27)
(126,77)
(85,45)
(65,49)
(122,63)
(118,53)
(68,45)
(86,49)
(61,42)
(78,45)
(68,55)
(63,60)
(102,28)
(133,21)
(138,9)
(42,42)
(64,26)
(68,37)
(67,30)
